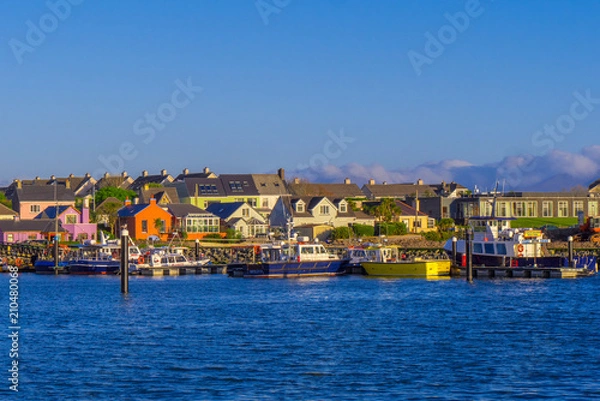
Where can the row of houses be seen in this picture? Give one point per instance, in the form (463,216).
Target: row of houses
(195,205)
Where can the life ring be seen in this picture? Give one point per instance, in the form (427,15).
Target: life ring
(520,248)
(18,262)
(140,260)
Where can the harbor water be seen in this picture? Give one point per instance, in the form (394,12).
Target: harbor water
(211,337)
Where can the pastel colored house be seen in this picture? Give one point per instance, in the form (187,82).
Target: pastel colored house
(241,217)
(145,220)
(13,231)
(7,214)
(30,200)
(192,222)
(76,223)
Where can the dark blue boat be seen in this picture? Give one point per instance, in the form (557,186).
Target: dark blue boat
(44,266)
(298,260)
(95,259)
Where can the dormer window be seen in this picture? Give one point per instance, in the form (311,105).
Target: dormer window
(343,207)
(300,207)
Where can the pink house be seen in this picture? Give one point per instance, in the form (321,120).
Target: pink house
(31,200)
(76,223)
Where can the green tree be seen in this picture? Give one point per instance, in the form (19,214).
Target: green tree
(159,224)
(445,224)
(341,233)
(107,213)
(119,193)
(386,210)
(5,201)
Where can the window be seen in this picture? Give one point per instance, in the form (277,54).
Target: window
(324,209)
(563,209)
(489,248)
(487,209)
(71,219)
(577,207)
(245,212)
(501,249)
(592,208)
(9,238)
(502,209)
(531,209)
(518,209)
(546,209)
(265,203)
(252,202)
(300,207)
(34,208)
(477,248)
(343,208)
(144,226)
(430,223)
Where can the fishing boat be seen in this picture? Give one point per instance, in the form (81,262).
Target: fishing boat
(158,261)
(298,259)
(47,265)
(384,261)
(495,243)
(92,258)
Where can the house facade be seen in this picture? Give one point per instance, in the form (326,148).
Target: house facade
(14,231)
(145,220)
(30,200)
(192,222)
(75,223)
(241,217)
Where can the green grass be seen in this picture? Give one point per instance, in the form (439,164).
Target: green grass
(536,222)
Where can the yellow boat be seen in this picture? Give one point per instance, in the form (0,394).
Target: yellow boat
(415,268)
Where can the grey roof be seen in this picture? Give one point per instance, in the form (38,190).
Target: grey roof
(205,187)
(407,210)
(41,225)
(184,209)
(410,189)
(329,190)
(269,184)
(239,184)
(32,193)
(594,184)
(114,181)
(142,180)
(183,176)
(6,211)
(224,210)
(158,194)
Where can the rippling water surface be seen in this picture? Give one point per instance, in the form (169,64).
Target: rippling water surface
(346,338)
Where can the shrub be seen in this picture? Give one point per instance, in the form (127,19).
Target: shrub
(391,229)
(363,230)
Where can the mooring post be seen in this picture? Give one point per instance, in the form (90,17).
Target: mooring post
(570,251)
(55,249)
(454,262)
(197,249)
(469,252)
(124,261)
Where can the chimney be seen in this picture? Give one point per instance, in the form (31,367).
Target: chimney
(419,182)
(163,172)
(127,202)
(347,181)
(19,184)
(281,174)
(52,177)
(136,200)
(296,180)
(37,177)
(106,175)
(68,184)
(153,201)
(124,174)
(371,182)
(206,170)
(85,211)
(384,183)
(145,173)
(71,175)
(186,171)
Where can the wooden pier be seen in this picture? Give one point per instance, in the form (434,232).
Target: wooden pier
(523,272)
(181,271)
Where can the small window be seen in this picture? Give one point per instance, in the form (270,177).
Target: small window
(477,247)
(489,248)
(501,249)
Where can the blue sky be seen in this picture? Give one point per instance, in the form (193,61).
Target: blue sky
(282,79)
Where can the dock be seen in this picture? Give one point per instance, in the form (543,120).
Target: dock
(522,272)
(181,271)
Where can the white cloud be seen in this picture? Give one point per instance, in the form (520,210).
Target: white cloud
(521,172)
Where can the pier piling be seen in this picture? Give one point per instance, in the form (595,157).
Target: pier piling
(469,252)
(124,261)
(570,251)
(454,239)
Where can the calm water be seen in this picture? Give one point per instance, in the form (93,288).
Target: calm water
(214,337)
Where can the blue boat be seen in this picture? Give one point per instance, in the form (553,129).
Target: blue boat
(298,260)
(95,259)
(45,266)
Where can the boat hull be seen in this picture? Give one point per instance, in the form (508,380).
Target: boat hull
(588,262)
(94,267)
(294,269)
(424,268)
(48,267)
